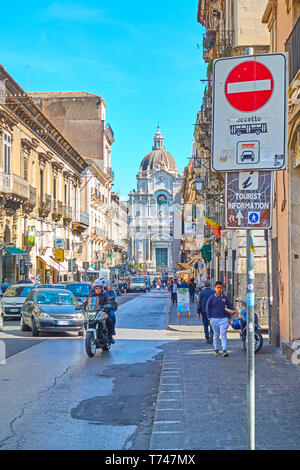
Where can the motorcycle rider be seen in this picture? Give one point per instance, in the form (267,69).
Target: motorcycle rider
(103,299)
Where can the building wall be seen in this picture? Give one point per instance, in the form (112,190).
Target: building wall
(80,117)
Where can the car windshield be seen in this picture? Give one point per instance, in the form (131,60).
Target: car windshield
(79,289)
(18,291)
(55,297)
(138,279)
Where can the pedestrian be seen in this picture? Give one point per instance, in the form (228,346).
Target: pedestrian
(192,290)
(218,308)
(184,284)
(204,295)
(173,287)
(5,285)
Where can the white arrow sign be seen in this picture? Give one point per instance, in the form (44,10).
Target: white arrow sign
(240,217)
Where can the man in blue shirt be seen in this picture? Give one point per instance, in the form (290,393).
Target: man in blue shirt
(205,294)
(218,309)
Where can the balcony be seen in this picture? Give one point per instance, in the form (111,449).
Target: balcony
(293,49)
(99,233)
(44,205)
(67,214)
(81,221)
(14,186)
(30,204)
(57,210)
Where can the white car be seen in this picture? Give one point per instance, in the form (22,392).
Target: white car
(13,299)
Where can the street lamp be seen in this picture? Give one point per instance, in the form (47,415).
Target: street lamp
(198,184)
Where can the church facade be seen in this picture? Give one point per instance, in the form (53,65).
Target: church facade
(155,223)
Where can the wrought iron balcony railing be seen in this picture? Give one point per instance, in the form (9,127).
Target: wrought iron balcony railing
(292,46)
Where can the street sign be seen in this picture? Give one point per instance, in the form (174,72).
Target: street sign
(250,113)
(59,255)
(248,200)
(59,243)
(249,86)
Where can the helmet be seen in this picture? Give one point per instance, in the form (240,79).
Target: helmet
(102,282)
(236,324)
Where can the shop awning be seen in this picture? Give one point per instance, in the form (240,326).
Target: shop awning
(61,267)
(14,251)
(183,266)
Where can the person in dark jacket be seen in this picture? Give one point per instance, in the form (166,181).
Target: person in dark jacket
(103,299)
(219,309)
(184,284)
(192,290)
(201,309)
(173,287)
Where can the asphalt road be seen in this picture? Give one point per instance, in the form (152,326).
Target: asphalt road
(16,340)
(59,398)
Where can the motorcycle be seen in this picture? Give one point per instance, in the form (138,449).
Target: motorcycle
(97,332)
(241,324)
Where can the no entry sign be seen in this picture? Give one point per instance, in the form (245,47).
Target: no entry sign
(250,113)
(249,86)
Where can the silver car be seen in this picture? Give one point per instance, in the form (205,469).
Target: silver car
(14,298)
(52,310)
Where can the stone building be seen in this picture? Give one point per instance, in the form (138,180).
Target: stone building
(154,224)
(283,20)
(40,197)
(231,28)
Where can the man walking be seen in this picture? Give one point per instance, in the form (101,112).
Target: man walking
(205,294)
(218,308)
(173,289)
(192,290)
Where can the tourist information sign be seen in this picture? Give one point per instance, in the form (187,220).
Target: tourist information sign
(250,113)
(248,200)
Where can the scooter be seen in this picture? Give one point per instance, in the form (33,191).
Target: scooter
(241,324)
(97,332)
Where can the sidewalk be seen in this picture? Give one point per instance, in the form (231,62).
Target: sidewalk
(201,402)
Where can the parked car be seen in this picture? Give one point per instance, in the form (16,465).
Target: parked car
(52,310)
(81,290)
(138,284)
(13,299)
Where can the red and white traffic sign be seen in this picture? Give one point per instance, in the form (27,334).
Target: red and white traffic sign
(249,131)
(249,86)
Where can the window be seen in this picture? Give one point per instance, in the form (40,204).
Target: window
(6,153)
(25,171)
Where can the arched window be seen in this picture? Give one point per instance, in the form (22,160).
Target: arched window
(162,206)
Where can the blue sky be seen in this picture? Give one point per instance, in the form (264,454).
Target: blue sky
(142,57)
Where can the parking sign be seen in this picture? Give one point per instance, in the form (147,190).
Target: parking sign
(250,113)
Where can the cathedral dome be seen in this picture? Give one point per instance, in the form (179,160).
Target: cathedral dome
(159,158)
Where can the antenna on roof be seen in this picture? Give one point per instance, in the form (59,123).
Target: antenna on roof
(27,78)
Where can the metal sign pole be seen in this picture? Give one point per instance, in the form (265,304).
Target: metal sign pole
(250,344)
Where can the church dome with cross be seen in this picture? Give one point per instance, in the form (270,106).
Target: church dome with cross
(159,158)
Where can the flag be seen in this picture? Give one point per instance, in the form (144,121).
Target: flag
(216,228)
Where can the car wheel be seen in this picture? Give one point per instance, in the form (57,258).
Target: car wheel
(35,331)
(81,332)
(23,325)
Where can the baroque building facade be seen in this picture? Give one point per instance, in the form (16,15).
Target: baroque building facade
(154,221)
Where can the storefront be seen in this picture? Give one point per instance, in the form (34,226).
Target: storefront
(13,264)
(48,271)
